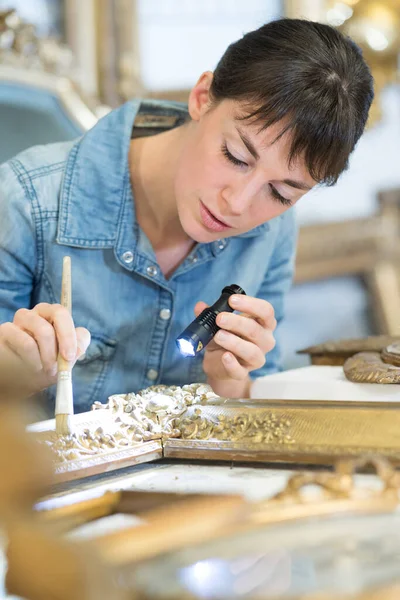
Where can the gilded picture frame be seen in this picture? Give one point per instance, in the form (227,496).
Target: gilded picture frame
(192,423)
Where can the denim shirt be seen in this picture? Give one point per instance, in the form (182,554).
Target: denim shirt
(75,198)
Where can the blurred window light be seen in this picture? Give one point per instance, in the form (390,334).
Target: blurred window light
(209,578)
(337,15)
(376,39)
(179,39)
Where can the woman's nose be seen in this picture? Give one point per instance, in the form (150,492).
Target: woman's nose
(238,198)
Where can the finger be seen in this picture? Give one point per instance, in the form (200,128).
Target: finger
(83,341)
(271,323)
(247,353)
(22,344)
(248,328)
(43,334)
(256,308)
(200,306)
(233,368)
(244,327)
(223,366)
(64,326)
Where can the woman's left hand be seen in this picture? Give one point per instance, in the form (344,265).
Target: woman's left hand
(240,346)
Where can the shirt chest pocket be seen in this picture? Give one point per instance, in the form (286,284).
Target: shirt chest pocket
(90,373)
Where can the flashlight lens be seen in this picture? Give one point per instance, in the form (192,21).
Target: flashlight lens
(186,347)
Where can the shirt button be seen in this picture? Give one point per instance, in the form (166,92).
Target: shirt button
(127,257)
(165,314)
(152,374)
(152,271)
(193,259)
(221,244)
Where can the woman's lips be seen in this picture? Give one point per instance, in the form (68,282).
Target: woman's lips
(210,221)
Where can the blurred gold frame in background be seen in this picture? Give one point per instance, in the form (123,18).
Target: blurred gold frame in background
(373,24)
(103,35)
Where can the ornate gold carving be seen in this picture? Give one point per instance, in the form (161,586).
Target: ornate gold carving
(130,420)
(374,359)
(368,367)
(341,483)
(191,422)
(89,443)
(160,413)
(260,429)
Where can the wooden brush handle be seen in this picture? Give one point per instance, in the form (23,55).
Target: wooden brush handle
(66,294)
(63,365)
(66,302)
(64,408)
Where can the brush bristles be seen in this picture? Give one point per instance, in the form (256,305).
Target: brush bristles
(64,425)
(64,403)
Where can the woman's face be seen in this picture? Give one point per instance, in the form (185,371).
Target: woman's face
(231,177)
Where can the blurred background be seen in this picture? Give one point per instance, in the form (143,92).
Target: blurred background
(65,63)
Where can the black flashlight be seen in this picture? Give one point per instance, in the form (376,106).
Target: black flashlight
(202,330)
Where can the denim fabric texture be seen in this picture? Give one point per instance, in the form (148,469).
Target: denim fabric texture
(75,198)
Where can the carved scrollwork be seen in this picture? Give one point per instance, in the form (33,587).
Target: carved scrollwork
(260,429)
(89,443)
(341,484)
(161,413)
(152,414)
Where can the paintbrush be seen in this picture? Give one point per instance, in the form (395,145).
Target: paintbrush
(64,397)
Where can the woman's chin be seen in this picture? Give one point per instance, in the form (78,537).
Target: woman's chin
(200,235)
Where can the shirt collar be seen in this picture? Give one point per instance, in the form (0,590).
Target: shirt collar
(96,184)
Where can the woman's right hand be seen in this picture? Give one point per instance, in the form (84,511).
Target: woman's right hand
(37,335)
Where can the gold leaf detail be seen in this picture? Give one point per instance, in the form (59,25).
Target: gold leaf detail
(264,429)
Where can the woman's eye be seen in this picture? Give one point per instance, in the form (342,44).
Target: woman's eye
(232,159)
(276,195)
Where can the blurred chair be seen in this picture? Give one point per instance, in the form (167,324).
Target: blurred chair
(39,102)
(347,282)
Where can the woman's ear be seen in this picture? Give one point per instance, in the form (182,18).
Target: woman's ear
(199,98)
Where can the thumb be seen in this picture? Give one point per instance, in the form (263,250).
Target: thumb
(200,306)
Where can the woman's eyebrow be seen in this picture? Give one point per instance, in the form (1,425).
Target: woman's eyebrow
(248,143)
(299,185)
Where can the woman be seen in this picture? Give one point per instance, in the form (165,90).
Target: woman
(160,206)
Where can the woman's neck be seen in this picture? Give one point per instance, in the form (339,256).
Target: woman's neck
(152,164)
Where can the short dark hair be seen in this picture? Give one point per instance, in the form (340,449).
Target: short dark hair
(309,76)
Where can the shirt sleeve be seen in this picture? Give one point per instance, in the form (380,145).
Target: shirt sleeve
(276,284)
(17,243)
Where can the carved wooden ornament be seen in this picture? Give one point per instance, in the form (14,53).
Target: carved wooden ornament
(191,422)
